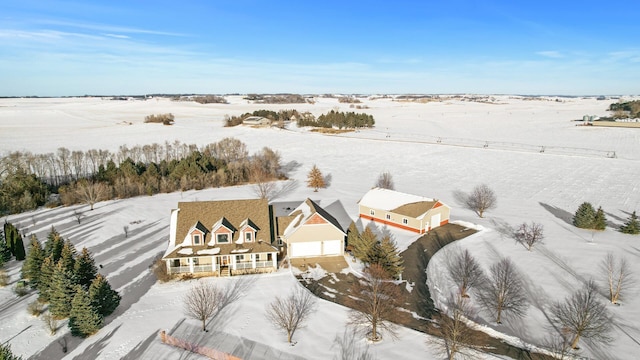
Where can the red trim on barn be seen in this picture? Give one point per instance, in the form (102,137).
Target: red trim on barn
(368,217)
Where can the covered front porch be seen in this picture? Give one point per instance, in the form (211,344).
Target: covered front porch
(222,264)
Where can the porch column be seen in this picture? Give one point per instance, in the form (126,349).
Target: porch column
(233,262)
(191,265)
(274,260)
(213,263)
(168,264)
(253,260)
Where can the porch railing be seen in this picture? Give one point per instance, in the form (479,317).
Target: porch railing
(196,269)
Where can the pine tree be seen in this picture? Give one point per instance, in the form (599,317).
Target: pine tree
(68,256)
(33,262)
(53,246)
(389,257)
(85,269)
(10,235)
(62,291)
(315,179)
(599,220)
(84,319)
(352,234)
(5,252)
(19,248)
(363,245)
(632,226)
(6,354)
(584,217)
(44,281)
(103,298)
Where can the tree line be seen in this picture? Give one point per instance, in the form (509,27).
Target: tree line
(28,179)
(341,120)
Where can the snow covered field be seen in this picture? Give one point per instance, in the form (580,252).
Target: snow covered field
(546,187)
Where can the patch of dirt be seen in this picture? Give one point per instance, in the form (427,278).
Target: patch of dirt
(418,309)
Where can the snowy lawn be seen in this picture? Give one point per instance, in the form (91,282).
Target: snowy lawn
(530,185)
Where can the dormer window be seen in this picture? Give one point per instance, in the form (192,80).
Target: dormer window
(248,236)
(197,240)
(222,238)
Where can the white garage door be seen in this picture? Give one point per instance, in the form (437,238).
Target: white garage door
(313,248)
(331,247)
(435,221)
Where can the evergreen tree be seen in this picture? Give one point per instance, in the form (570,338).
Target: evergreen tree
(85,269)
(10,235)
(19,248)
(53,246)
(44,280)
(389,256)
(363,245)
(584,217)
(33,262)
(599,220)
(84,319)
(315,179)
(352,234)
(5,252)
(62,291)
(632,226)
(68,256)
(6,354)
(103,298)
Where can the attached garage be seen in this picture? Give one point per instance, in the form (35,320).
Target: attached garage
(315,248)
(301,249)
(331,247)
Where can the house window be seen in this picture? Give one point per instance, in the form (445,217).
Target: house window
(195,261)
(239,257)
(222,238)
(388,216)
(269,257)
(280,243)
(372,212)
(248,236)
(258,257)
(405,221)
(196,239)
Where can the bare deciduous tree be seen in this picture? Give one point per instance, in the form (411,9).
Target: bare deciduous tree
(617,275)
(529,234)
(374,301)
(456,335)
(583,316)
(481,199)
(464,270)
(91,192)
(503,292)
(78,215)
(289,313)
(385,181)
(349,348)
(201,302)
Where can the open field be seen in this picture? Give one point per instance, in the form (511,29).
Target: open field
(532,185)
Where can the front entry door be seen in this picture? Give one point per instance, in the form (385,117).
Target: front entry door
(225,260)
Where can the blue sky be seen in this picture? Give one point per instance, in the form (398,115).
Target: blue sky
(54,48)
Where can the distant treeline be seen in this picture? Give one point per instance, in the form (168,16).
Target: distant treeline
(632,107)
(28,179)
(341,120)
(277,99)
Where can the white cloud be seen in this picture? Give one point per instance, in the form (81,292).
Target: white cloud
(550,54)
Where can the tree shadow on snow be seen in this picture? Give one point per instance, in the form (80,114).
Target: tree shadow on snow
(559,213)
(94,350)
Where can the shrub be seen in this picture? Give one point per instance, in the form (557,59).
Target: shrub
(51,323)
(165,119)
(186,277)
(35,308)
(20,289)
(159,268)
(4,278)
